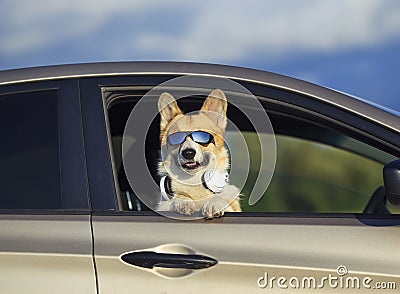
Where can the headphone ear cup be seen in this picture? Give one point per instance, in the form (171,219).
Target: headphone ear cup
(165,188)
(214,180)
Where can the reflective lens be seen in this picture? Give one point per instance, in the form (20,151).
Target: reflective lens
(199,137)
(177,138)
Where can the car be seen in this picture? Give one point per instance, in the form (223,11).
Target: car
(318,171)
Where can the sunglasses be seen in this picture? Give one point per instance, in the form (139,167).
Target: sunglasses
(199,137)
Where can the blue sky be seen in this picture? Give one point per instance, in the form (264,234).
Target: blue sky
(349,45)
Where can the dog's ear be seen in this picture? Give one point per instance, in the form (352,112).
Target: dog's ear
(216,102)
(168,109)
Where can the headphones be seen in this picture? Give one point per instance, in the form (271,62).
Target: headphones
(213,180)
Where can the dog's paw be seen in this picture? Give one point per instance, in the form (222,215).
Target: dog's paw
(215,207)
(164,206)
(183,206)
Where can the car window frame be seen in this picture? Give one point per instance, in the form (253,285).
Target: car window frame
(72,169)
(105,198)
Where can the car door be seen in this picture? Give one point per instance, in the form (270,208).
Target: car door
(281,244)
(45,232)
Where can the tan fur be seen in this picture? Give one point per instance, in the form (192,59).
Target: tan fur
(188,195)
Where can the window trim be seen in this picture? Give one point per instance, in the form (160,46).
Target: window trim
(325,219)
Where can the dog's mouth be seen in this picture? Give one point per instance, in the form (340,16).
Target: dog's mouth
(191,165)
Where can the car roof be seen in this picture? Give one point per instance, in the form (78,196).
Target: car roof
(336,98)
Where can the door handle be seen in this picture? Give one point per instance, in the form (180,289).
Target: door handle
(150,259)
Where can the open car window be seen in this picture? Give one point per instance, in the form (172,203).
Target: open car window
(320,168)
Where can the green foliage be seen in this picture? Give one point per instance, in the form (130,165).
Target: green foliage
(311,177)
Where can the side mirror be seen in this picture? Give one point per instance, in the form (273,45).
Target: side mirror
(391,179)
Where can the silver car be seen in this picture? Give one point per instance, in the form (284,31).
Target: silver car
(73,218)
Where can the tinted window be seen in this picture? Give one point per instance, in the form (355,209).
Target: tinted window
(311,177)
(29,151)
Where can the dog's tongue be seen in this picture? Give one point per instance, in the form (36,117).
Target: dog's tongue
(191,164)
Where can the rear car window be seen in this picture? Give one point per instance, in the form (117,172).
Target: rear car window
(29,151)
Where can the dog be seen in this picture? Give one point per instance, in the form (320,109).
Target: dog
(195,162)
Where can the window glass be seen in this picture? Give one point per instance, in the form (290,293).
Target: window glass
(319,169)
(314,177)
(29,151)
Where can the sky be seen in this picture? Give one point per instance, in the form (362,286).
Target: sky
(348,45)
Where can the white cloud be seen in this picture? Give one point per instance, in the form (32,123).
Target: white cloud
(230,32)
(29,25)
(215,31)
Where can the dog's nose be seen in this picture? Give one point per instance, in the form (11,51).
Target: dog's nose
(189,153)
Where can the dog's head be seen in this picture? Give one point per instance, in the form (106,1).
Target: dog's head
(193,142)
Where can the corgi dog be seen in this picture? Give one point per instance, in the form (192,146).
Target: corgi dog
(195,162)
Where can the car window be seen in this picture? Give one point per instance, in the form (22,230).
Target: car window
(311,177)
(29,151)
(319,168)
